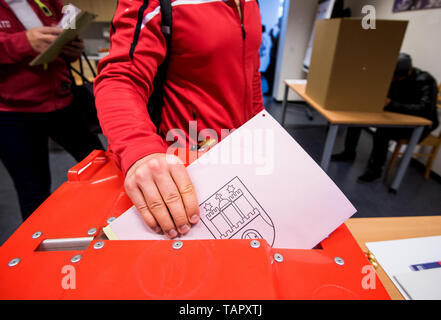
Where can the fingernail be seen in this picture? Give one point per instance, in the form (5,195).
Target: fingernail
(172,234)
(194,218)
(158,229)
(184,229)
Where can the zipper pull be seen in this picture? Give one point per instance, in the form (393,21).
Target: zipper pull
(244,34)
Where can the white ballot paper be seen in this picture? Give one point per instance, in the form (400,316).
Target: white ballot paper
(257,183)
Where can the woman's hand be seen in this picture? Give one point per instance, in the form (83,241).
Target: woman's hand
(74,49)
(42,37)
(161,190)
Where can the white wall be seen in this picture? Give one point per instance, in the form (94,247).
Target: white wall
(422,40)
(296,30)
(270,13)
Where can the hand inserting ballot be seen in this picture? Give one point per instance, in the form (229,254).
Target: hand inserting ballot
(161,190)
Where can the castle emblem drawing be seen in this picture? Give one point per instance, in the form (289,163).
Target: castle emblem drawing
(232,212)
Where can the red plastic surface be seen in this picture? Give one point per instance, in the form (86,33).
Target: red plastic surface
(208,269)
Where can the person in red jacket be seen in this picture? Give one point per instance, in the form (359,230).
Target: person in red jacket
(36,102)
(213,82)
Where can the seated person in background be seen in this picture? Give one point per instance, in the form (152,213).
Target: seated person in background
(413,92)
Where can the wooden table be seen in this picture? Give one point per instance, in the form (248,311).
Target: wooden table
(383,229)
(360,119)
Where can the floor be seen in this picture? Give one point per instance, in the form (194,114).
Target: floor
(416,196)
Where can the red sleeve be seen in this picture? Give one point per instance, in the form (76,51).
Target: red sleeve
(15,48)
(257,89)
(124,83)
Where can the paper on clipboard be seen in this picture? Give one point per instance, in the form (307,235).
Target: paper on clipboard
(70,14)
(258,183)
(73,29)
(396,257)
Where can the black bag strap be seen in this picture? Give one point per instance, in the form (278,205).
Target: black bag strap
(166,20)
(156,100)
(89,64)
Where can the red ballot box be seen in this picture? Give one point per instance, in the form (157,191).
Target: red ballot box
(60,253)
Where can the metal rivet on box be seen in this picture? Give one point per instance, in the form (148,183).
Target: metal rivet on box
(14,262)
(339,261)
(110,220)
(255,244)
(91,231)
(98,245)
(37,235)
(278,257)
(76,258)
(177,245)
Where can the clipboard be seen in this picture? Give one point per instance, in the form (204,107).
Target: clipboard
(81,22)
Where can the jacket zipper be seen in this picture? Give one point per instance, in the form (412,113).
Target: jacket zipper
(244,34)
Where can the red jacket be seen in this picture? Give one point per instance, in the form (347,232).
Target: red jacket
(24,88)
(213,74)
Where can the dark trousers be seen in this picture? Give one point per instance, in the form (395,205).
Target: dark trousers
(382,137)
(24,149)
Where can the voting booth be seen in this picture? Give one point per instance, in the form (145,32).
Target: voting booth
(60,252)
(352,66)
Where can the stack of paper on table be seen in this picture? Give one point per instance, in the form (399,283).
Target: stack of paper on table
(258,183)
(413,265)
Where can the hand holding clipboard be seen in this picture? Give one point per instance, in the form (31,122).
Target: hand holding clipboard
(73,26)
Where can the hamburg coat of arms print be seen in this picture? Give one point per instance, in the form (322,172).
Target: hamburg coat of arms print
(232,212)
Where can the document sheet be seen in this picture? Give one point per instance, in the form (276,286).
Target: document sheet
(406,262)
(421,285)
(257,183)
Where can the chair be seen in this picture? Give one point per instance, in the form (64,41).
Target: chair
(431,141)
(88,68)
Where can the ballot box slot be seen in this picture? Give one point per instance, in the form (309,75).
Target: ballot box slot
(65,244)
(318,247)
